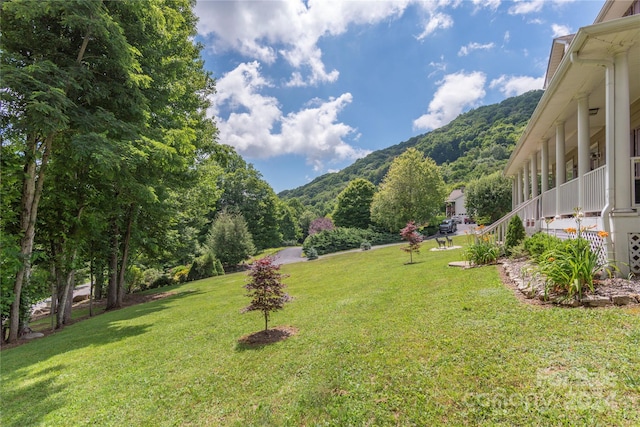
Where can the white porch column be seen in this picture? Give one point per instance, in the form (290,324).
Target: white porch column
(519,186)
(583,145)
(534,175)
(561,173)
(525,173)
(622,157)
(544,172)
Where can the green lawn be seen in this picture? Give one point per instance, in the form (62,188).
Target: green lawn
(379,343)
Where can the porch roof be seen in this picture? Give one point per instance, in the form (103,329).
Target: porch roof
(559,102)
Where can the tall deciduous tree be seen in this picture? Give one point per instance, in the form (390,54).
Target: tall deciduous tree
(354,204)
(61,63)
(488,198)
(246,192)
(413,189)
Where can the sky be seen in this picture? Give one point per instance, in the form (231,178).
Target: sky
(305,88)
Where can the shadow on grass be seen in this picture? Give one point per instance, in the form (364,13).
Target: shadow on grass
(98,330)
(38,397)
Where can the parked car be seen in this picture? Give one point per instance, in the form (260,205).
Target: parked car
(448,226)
(457,219)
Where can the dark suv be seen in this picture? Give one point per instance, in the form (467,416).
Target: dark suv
(448,226)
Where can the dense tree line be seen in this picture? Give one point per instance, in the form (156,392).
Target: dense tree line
(111,169)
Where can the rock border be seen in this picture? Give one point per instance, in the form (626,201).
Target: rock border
(521,276)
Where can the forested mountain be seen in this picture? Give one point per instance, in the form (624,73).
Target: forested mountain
(475,144)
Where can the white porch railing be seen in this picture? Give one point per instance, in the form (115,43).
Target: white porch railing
(635,184)
(528,212)
(569,199)
(594,197)
(549,203)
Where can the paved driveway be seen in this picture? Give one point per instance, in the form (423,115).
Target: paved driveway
(290,255)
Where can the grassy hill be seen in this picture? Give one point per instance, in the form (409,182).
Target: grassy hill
(476,143)
(378,343)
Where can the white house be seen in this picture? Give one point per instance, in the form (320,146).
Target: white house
(455,203)
(581,147)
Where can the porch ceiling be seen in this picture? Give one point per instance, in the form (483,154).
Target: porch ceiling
(559,102)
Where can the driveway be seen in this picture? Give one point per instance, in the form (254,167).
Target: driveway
(290,255)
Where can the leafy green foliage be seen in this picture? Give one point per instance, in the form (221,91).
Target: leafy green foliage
(570,267)
(489,198)
(353,209)
(311,253)
(265,288)
(515,233)
(203,267)
(412,190)
(482,249)
(539,243)
(341,239)
(230,239)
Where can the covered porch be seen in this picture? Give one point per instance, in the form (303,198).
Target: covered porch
(581,148)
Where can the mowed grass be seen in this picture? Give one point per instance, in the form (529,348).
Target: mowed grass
(379,342)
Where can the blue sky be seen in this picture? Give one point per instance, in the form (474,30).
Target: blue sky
(307,87)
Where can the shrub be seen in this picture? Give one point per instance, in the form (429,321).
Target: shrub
(180,273)
(202,267)
(570,267)
(341,239)
(365,245)
(539,243)
(312,253)
(482,250)
(320,224)
(218,267)
(515,233)
(163,280)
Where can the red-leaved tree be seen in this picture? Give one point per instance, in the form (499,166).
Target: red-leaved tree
(265,288)
(411,235)
(320,224)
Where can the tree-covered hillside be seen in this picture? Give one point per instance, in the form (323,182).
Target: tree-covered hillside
(475,144)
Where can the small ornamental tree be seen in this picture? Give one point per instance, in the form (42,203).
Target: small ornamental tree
(265,288)
(320,224)
(411,235)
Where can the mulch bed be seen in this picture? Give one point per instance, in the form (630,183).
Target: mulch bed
(270,336)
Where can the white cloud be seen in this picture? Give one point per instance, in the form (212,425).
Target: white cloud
(265,29)
(466,50)
(524,7)
(560,30)
(491,4)
(313,132)
(456,92)
(516,85)
(436,21)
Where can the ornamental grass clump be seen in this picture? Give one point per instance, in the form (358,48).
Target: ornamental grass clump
(482,248)
(570,267)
